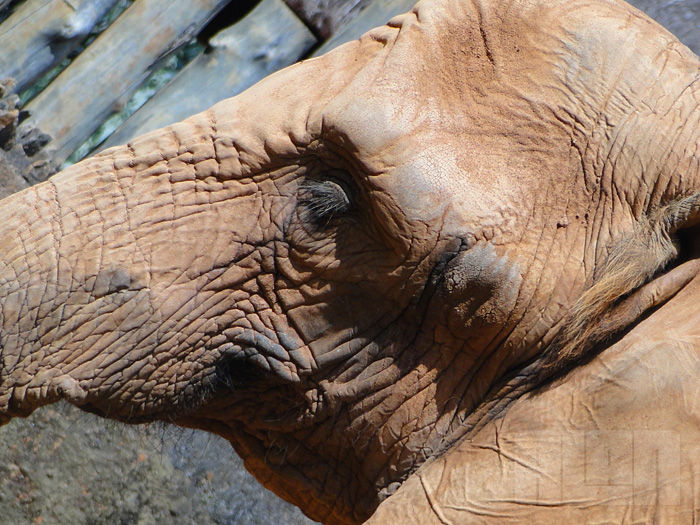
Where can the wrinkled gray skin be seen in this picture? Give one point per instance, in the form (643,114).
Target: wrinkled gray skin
(343,284)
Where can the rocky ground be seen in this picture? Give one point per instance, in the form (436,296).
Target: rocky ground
(62,466)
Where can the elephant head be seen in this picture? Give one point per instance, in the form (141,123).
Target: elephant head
(368,256)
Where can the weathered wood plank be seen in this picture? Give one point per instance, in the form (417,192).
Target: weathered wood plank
(379,12)
(109,70)
(41,33)
(269,38)
(326,17)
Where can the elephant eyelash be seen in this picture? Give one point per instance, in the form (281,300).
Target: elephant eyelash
(324,200)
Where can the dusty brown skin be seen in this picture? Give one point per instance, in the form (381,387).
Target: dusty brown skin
(367,266)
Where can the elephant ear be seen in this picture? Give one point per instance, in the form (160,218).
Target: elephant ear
(642,271)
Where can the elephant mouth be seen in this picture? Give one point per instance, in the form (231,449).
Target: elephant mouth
(252,376)
(234,374)
(236,379)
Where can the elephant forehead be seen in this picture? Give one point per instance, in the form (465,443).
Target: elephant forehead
(434,124)
(466,189)
(431,170)
(389,99)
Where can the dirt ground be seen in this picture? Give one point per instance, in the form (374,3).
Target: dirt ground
(62,466)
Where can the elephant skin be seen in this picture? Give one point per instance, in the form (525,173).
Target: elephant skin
(445,273)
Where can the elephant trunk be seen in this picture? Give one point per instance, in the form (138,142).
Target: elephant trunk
(120,274)
(92,285)
(32,282)
(68,266)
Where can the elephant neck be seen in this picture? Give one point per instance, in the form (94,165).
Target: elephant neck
(569,351)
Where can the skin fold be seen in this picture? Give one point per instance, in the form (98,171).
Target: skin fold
(444,273)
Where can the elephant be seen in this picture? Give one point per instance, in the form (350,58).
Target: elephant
(446,273)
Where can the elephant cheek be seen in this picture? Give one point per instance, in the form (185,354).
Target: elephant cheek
(480,288)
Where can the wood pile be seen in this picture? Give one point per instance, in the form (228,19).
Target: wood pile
(40,36)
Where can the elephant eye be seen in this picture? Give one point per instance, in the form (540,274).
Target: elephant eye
(322,200)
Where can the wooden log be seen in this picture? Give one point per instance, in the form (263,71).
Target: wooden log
(379,12)
(41,33)
(269,38)
(103,77)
